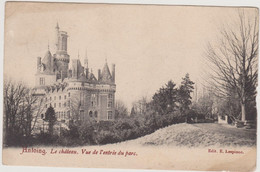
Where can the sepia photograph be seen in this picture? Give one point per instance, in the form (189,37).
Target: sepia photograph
(130,86)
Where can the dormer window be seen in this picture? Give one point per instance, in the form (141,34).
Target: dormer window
(42,81)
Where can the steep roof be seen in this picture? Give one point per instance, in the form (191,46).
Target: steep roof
(105,74)
(82,77)
(92,77)
(48,61)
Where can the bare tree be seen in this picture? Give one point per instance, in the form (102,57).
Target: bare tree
(13,95)
(234,60)
(140,106)
(21,110)
(120,109)
(75,105)
(38,108)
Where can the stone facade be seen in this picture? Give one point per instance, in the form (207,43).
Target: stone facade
(74,93)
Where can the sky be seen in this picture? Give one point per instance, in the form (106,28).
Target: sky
(150,44)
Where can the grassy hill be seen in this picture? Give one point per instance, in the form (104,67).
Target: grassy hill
(199,135)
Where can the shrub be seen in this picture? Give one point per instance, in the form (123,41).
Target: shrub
(105,137)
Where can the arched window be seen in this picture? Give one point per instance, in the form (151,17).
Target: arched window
(95,114)
(64,43)
(90,113)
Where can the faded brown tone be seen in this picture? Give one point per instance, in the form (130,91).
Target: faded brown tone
(149,44)
(147,158)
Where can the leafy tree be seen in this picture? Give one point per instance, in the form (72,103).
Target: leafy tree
(164,101)
(184,97)
(50,118)
(87,130)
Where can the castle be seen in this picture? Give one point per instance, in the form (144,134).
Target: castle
(74,92)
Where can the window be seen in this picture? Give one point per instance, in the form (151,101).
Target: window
(65,104)
(110,96)
(109,115)
(93,100)
(46,105)
(54,105)
(65,97)
(60,97)
(59,104)
(64,43)
(95,114)
(68,114)
(93,96)
(42,81)
(82,114)
(54,97)
(69,103)
(90,113)
(109,104)
(68,94)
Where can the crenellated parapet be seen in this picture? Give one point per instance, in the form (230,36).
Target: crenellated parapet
(58,87)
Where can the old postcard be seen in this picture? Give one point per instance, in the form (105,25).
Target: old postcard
(130,86)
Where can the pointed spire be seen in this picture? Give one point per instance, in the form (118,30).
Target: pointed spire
(78,54)
(48,46)
(86,60)
(57,26)
(106,75)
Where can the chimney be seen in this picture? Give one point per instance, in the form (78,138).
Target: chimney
(87,73)
(38,62)
(99,74)
(113,72)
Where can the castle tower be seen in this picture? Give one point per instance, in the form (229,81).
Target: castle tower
(86,69)
(61,55)
(113,72)
(45,74)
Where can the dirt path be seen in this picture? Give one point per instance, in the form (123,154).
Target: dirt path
(199,135)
